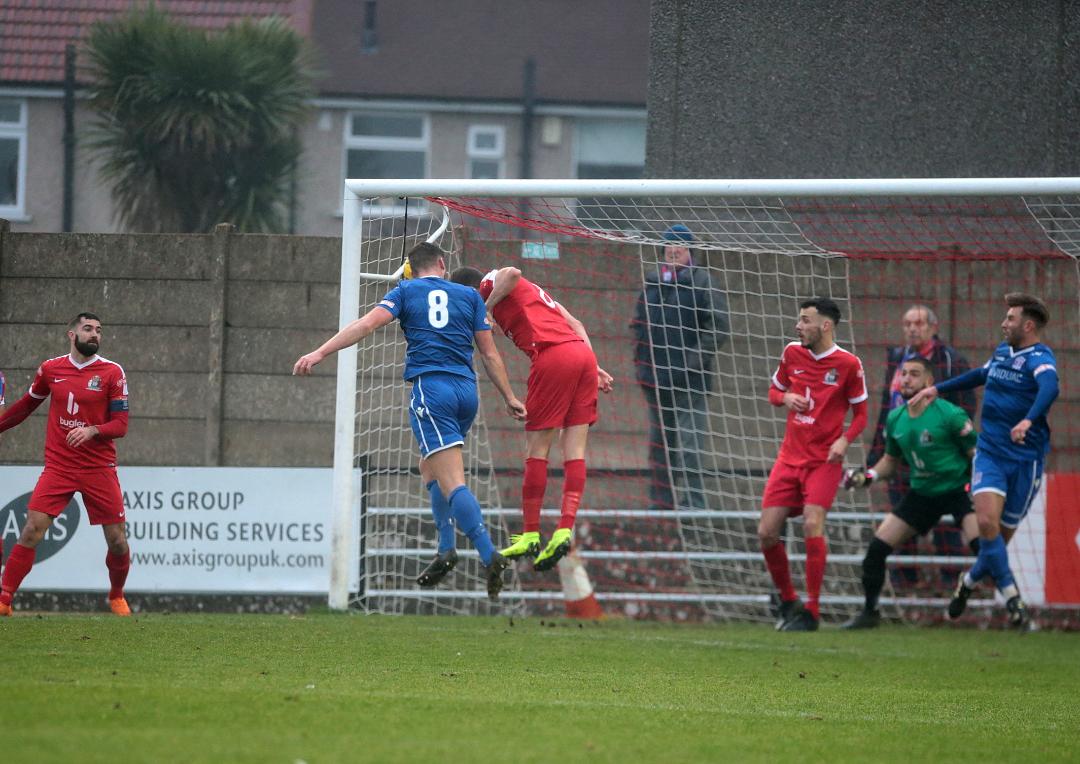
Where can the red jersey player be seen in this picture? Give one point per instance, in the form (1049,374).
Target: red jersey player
(563,381)
(89,409)
(817,381)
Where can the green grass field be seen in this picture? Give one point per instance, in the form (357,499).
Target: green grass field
(322,688)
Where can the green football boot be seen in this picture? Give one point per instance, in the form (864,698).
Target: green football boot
(555,550)
(522,545)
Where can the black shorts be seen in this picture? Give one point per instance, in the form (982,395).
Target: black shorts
(923,512)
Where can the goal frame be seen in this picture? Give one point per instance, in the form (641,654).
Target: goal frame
(344,550)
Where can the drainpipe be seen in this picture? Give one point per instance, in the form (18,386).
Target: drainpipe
(69,138)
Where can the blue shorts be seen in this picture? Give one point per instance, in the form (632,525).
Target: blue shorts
(1017,481)
(441,410)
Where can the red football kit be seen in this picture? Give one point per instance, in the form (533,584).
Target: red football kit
(93,393)
(562,387)
(833,382)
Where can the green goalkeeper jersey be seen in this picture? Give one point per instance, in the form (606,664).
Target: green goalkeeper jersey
(935,445)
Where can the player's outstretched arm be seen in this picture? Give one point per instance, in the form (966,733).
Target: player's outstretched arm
(19,411)
(496,371)
(927,395)
(505,281)
(966,381)
(357,330)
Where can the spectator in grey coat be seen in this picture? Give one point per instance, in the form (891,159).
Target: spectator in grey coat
(680,321)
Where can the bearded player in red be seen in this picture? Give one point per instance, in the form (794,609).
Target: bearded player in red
(89,410)
(817,381)
(563,381)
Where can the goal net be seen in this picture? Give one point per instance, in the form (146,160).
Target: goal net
(678,461)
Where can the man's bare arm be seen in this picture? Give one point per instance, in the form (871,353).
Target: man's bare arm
(496,371)
(354,332)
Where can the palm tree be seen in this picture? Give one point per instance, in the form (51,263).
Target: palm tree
(198,128)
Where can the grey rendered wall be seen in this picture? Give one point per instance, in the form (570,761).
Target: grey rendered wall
(828,88)
(206,326)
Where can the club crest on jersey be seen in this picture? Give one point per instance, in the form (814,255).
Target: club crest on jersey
(94,383)
(830,377)
(1018,363)
(925,438)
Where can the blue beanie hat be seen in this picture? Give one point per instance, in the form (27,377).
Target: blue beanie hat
(678,232)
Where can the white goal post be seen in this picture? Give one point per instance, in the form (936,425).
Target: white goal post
(746,228)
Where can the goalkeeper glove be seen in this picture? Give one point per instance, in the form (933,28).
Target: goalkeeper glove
(859,477)
(406,272)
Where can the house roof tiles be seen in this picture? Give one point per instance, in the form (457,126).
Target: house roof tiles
(34,33)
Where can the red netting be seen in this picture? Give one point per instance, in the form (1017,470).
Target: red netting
(877,257)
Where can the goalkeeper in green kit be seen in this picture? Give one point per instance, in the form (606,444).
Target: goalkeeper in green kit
(937,442)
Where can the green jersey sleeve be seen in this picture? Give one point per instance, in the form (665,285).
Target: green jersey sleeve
(892,446)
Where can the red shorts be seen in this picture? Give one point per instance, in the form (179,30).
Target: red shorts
(100,491)
(795,487)
(562,387)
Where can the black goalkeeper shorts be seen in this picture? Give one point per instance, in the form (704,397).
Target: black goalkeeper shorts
(923,512)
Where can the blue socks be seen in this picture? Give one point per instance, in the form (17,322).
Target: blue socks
(440,510)
(993,560)
(466,511)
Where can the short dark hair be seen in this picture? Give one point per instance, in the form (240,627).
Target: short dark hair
(424,256)
(927,366)
(470,277)
(825,306)
(1030,307)
(80,318)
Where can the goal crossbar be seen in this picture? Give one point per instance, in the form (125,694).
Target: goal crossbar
(618,189)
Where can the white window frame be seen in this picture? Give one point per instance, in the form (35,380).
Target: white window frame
(386,143)
(475,152)
(19,131)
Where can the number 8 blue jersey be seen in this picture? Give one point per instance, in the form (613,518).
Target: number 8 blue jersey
(439,319)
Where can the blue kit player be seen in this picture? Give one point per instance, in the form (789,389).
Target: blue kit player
(1021,383)
(441,321)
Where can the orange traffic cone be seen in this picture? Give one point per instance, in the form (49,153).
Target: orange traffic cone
(577,589)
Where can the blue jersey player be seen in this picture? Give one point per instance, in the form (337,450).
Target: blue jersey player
(441,321)
(1021,383)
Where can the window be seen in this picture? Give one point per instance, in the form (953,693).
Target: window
(12,157)
(610,148)
(486,148)
(386,145)
(381,145)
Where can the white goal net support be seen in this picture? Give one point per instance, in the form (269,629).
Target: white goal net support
(676,469)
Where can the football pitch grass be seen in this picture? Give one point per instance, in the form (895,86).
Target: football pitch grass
(328,688)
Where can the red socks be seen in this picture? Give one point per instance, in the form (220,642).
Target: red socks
(532,492)
(17,566)
(777,562)
(573,487)
(816,552)
(118,566)
(535,483)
